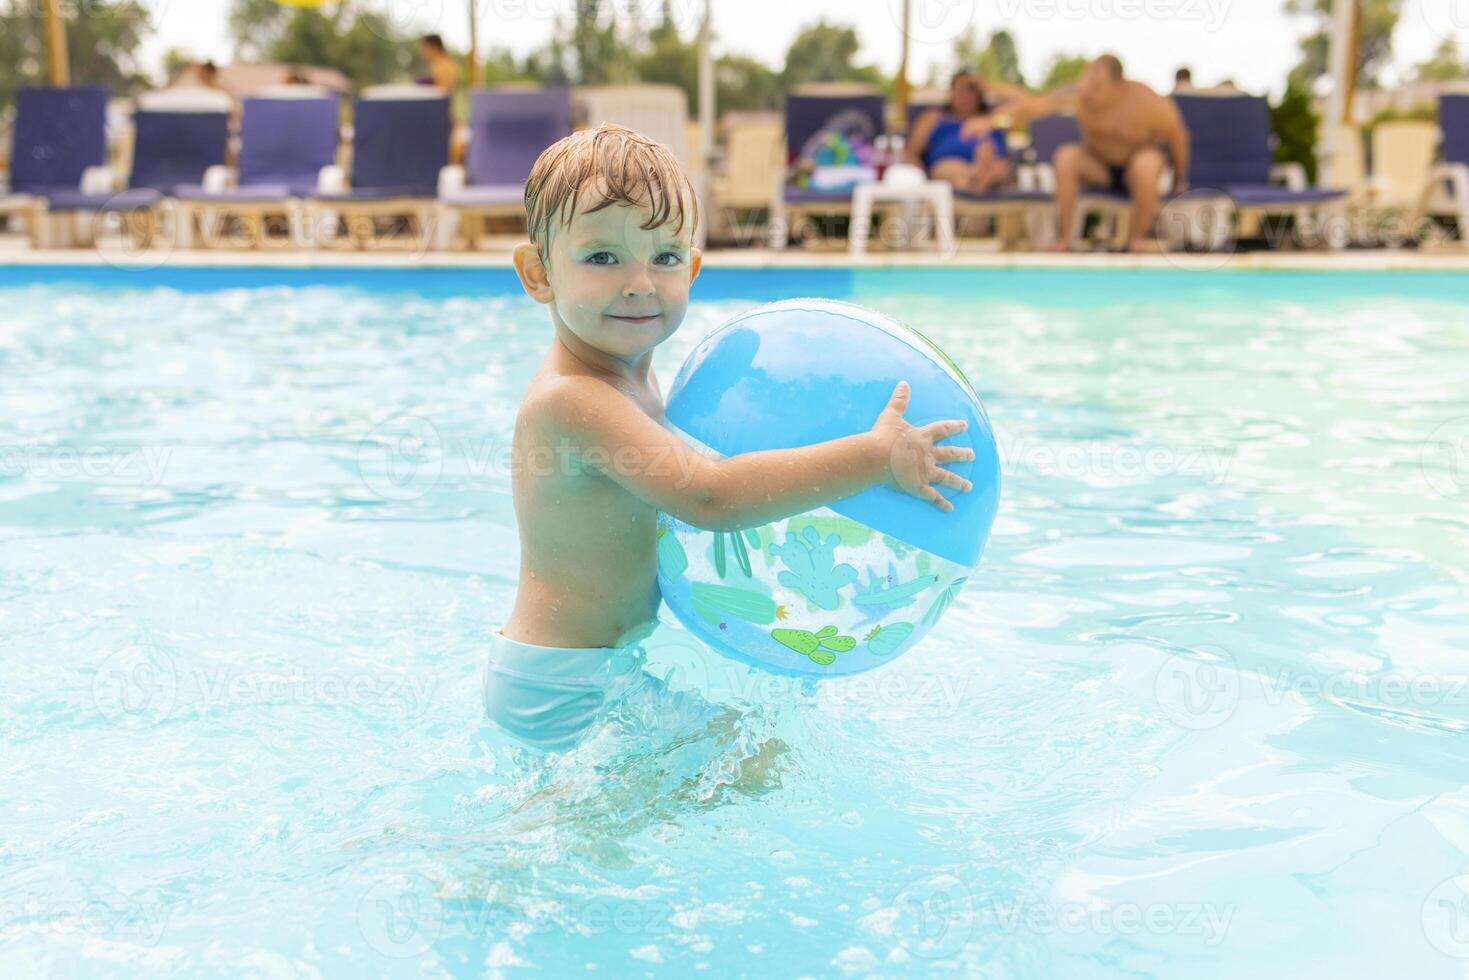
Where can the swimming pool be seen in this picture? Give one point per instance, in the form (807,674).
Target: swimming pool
(1203,710)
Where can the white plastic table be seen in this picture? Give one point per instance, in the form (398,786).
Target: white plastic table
(937,194)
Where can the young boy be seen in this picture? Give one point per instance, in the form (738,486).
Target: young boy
(611,218)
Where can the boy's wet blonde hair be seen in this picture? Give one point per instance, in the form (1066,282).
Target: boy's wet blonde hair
(621,166)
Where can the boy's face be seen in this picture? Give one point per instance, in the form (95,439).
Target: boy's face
(617,286)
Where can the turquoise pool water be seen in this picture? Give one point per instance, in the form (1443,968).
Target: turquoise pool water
(1203,711)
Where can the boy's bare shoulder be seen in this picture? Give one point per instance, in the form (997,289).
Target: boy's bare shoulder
(565,399)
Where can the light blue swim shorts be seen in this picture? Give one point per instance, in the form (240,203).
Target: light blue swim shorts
(549,697)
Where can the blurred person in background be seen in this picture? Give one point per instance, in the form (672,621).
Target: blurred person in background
(1124,127)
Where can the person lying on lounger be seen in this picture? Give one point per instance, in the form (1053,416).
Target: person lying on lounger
(1123,125)
(964,142)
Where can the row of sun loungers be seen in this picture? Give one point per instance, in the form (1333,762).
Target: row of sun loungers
(401,186)
(286,168)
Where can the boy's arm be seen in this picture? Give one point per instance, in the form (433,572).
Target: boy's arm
(614,435)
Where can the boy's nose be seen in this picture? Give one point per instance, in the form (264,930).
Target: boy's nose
(639,283)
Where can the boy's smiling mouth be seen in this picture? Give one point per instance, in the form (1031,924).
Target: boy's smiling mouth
(633,319)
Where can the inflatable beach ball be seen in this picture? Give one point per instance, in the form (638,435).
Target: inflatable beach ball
(847,587)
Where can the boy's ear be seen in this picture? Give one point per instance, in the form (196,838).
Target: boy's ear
(532,271)
(696,260)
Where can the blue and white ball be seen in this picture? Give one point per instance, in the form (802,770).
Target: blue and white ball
(848,587)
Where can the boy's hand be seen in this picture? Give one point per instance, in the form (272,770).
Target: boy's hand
(913,459)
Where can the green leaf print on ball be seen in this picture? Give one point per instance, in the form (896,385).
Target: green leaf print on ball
(737,545)
(717,602)
(821,646)
(884,640)
(671,557)
(944,600)
(849,533)
(890,592)
(811,569)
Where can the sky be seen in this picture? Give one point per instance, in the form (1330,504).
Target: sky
(1251,42)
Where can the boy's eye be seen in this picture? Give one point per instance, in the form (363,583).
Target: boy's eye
(601,258)
(673,258)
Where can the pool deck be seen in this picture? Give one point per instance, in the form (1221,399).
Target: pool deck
(498,256)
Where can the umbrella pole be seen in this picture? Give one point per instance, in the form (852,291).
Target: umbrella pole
(902,99)
(1342,63)
(706,84)
(59,70)
(472,75)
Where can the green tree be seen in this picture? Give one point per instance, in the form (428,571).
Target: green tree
(1379,18)
(968,50)
(739,82)
(824,53)
(501,68)
(668,59)
(102,46)
(1064,69)
(996,59)
(255,25)
(601,56)
(1444,66)
(349,36)
(745,83)
(175,60)
(1295,123)
(1000,61)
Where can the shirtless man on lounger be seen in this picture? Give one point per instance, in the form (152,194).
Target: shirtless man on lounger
(1123,125)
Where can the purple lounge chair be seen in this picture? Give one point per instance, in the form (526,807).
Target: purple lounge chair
(509,129)
(169,149)
(805,115)
(285,144)
(400,146)
(60,135)
(1231,156)
(1447,192)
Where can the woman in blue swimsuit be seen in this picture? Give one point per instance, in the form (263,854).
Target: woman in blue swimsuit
(964,142)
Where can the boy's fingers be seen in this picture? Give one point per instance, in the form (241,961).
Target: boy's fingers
(937,499)
(942,430)
(952,454)
(899,401)
(950,479)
